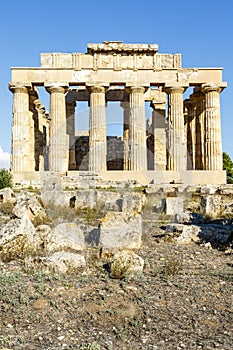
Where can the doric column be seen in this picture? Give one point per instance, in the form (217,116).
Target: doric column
(176,143)
(41,135)
(159,133)
(70,125)
(125,106)
(190,132)
(199,105)
(58,140)
(213,138)
(97,132)
(137,129)
(22,130)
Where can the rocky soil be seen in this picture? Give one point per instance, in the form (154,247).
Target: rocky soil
(182,300)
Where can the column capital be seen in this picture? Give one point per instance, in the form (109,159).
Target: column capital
(208,87)
(174,89)
(19,87)
(57,87)
(136,89)
(96,89)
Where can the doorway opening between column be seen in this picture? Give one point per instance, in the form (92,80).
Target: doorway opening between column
(82,111)
(114,134)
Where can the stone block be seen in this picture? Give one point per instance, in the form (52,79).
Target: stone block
(7,195)
(67,237)
(184,233)
(120,230)
(211,205)
(30,206)
(17,238)
(174,205)
(63,262)
(133,202)
(86,199)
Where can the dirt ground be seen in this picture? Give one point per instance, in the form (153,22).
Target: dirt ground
(183,300)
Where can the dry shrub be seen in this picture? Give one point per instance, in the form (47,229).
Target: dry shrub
(173,266)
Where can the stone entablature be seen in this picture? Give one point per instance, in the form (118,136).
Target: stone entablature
(114,56)
(183,136)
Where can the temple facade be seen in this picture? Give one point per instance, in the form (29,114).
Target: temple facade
(180,143)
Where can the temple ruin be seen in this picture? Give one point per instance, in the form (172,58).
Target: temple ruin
(181,143)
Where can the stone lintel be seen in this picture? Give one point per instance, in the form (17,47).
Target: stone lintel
(56,84)
(131,84)
(90,86)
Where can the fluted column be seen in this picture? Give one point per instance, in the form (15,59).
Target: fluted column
(199,104)
(176,143)
(213,138)
(137,130)
(159,133)
(58,140)
(97,132)
(41,136)
(125,106)
(70,124)
(22,130)
(190,132)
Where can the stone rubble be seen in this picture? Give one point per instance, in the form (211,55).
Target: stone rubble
(120,230)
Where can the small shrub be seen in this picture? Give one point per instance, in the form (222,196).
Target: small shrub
(90,215)
(172,266)
(5,178)
(60,212)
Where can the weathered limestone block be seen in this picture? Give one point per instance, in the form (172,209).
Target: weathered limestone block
(120,230)
(85,199)
(159,206)
(7,195)
(133,202)
(16,238)
(28,205)
(41,235)
(67,237)
(209,189)
(109,200)
(15,228)
(56,198)
(228,208)
(184,233)
(186,217)
(174,205)
(125,264)
(211,205)
(226,189)
(63,262)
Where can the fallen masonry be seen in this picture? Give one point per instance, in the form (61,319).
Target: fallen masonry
(57,236)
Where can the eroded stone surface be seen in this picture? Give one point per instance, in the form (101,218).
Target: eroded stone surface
(67,237)
(7,195)
(120,230)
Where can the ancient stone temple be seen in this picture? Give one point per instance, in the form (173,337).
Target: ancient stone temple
(181,142)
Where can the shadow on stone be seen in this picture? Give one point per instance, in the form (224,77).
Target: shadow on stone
(93,237)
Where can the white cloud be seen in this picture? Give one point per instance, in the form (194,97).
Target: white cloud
(4,159)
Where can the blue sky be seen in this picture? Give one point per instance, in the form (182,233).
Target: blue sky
(201,30)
